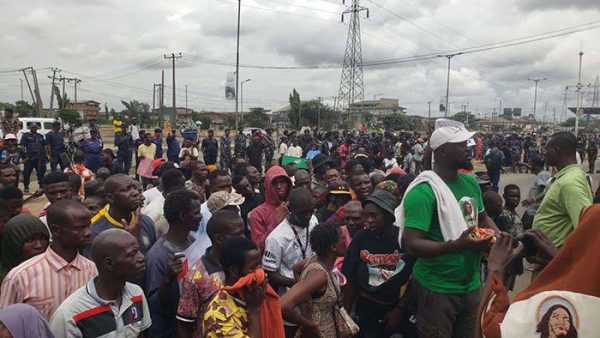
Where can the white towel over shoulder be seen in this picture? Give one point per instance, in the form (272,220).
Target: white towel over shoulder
(452,222)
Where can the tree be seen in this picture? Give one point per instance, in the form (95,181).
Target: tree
(256,118)
(204,119)
(62,101)
(139,110)
(6,105)
(229,122)
(295,110)
(70,116)
(396,121)
(314,110)
(462,117)
(23,108)
(570,122)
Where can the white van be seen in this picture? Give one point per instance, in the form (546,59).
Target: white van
(45,124)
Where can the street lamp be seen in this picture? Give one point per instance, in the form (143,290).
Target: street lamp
(237,62)
(535,95)
(375,96)
(242,96)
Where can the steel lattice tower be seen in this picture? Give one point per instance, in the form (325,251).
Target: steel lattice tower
(351,83)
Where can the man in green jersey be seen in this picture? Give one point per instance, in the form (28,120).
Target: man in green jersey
(447,271)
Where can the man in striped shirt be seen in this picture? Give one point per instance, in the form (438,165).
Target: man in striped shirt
(46,280)
(108,306)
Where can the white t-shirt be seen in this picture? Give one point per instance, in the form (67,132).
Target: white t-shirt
(154,210)
(135,132)
(294,151)
(202,242)
(390,162)
(282,250)
(283,148)
(150,195)
(193,152)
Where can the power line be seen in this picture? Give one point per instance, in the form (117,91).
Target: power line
(305,7)
(276,11)
(474,49)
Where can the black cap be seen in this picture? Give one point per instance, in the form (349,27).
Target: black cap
(320,160)
(384,200)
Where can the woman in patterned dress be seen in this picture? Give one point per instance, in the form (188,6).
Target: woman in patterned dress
(317,291)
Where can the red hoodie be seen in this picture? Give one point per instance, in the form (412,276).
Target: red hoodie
(262,219)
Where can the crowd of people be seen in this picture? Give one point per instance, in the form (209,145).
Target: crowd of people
(309,234)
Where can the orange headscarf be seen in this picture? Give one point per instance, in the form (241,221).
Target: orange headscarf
(271,321)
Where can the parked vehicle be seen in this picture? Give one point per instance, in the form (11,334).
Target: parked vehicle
(45,124)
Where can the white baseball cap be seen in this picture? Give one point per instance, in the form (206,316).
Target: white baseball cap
(10,137)
(449,134)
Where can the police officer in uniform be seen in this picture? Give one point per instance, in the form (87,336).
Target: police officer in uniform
(35,147)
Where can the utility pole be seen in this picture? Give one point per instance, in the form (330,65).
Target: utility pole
(579,86)
(237,66)
(563,114)
(53,77)
(162,96)
(28,85)
(21,80)
(535,93)
(63,79)
(429,110)
(154,86)
(500,106)
(173,57)
(554,118)
(319,114)
(449,57)
(38,96)
(242,97)
(75,81)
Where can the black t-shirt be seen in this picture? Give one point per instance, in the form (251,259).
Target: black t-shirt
(377,266)
(210,145)
(255,152)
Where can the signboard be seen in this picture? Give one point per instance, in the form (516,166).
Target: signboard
(230,86)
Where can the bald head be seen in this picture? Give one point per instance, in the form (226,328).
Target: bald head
(113,183)
(60,212)
(110,247)
(299,198)
(302,179)
(353,217)
(566,141)
(492,202)
(353,206)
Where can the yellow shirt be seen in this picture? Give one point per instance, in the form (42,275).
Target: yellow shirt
(147,151)
(117,125)
(225,316)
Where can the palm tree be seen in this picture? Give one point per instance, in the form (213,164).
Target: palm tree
(62,101)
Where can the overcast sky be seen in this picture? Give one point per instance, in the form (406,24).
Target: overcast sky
(114,47)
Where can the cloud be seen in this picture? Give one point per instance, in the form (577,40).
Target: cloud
(94,37)
(534,5)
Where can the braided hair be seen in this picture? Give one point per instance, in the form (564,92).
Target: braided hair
(323,236)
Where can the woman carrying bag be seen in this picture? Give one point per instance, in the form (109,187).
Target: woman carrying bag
(317,293)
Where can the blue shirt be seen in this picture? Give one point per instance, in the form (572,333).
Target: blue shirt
(56,142)
(159,150)
(163,314)
(124,143)
(91,146)
(33,144)
(173,146)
